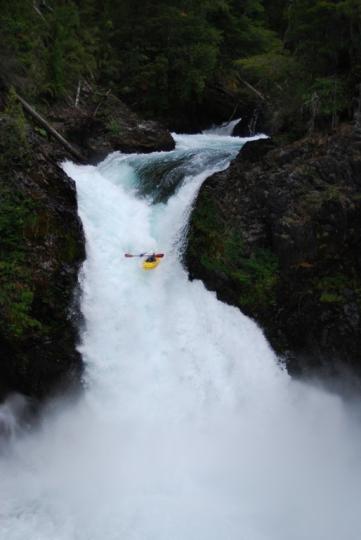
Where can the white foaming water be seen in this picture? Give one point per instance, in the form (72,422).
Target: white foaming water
(10,411)
(224,129)
(189,429)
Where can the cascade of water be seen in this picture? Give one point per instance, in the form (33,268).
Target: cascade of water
(224,129)
(189,428)
(10,412)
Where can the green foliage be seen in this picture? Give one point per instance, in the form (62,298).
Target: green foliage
(254,276)
(331,95)
(313,25)
(273,71)
(280,78)
(330,298)
(244,30)
(16,299)
(71,54)
(15,111)
(161,55)
(310,81)
(332,288)
(258,276)
(23,49)
(114,127)
(40,131)
(13,107)
(16,290)
(277,15)
(14,150)
(167,53)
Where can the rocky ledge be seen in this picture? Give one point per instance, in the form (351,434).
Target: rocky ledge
(101,123)
(278,235)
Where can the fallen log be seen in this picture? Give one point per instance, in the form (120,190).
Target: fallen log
(252,88)
(40,120)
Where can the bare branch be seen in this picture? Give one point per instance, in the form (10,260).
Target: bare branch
(78,93)
(252,88)
(36,8)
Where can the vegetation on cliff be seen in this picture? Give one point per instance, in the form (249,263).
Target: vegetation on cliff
(164,57)
(220,249)
(17,213)
(39,261)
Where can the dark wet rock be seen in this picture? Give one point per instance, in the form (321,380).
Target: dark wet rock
(223,101)
(252,151)
(253,121)
(101,124)
(41,249)
(278,235)
(220,104)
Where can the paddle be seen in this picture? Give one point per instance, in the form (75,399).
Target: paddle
(157,255)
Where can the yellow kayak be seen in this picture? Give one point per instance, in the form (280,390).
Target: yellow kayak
(150,265)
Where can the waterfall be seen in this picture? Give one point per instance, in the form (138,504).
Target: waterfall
(224,129)
(189,427)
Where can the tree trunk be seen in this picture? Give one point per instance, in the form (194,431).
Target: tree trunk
(40,120)
(252,88)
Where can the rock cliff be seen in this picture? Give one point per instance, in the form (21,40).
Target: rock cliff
(278,235)
(42,247)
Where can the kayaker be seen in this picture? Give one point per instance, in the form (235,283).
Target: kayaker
(151,258)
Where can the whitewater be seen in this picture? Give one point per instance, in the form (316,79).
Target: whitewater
(189,427)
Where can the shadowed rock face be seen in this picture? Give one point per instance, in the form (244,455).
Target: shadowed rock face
(41,249)
(102,124)
(278,235)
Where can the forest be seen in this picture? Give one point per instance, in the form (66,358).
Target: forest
(300,60)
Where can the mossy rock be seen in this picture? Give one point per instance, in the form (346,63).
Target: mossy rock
(252,276)
(41,249)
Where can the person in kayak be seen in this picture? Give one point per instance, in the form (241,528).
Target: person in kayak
(151,258)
